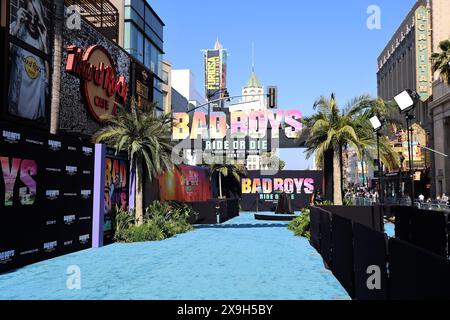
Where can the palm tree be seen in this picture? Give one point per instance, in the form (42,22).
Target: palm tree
(335,129)
(440,61)
(146,137)
(332,129)
(366,136)
(237,171)
(57,58)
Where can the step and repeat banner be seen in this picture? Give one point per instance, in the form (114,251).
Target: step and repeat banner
(261,192)
(46,200)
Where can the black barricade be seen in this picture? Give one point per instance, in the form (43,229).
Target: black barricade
(314,217)
(425,228)
(207,211)
(369,252)
(415,273)
(325,236)
(232,208)
(429,231)
(369,216)
(342,252)
(403,216)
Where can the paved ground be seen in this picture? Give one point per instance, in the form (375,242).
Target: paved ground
(242,259)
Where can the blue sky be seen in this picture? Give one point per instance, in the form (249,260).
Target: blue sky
(306,48)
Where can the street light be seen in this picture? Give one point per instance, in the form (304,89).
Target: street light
(377,124)
(406,102)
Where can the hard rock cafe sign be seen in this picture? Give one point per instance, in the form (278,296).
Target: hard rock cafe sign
(100,84)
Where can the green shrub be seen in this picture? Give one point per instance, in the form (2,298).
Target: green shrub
(161,221)
(121,221)
(146,232)
(301,225)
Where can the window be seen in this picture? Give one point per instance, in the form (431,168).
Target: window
(138,5)
(165,77)
(134,43)
(148,53)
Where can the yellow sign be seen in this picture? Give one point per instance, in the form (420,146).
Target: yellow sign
(32,67)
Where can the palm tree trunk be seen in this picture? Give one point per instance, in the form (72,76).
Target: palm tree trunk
(139,194)
(337,179)
(57,58)
(220,184)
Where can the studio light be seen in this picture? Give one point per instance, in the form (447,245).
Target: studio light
(404,101)
(376,123)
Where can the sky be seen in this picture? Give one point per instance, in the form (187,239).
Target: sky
(306,48)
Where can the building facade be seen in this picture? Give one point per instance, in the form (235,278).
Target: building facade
(183,81)
(405,64)
(141,33)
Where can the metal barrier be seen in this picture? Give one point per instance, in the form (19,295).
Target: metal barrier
(434,205)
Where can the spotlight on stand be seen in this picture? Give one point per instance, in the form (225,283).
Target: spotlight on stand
(406,101)
(377,124)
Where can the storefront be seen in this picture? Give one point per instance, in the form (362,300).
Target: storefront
(50,179)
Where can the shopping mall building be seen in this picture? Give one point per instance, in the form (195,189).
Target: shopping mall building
(405,64)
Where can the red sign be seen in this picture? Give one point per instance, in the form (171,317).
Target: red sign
(100,84)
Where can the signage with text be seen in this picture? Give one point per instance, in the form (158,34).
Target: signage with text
(101,86)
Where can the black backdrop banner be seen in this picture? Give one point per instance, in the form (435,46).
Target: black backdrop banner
(261,191)
(46,200)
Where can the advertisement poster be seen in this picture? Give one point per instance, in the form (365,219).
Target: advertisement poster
(46,198)
(31,22)
(213,71)
(186,184)
(28,85)
(116,188)
(261,192)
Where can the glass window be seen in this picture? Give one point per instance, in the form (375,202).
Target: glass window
(153,22)
(152,35)
(147,53)
(138,5)
(158,99)
(165,77)
(134,41)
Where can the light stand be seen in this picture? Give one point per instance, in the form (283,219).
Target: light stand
(406,102)
(377,124)
(410,130)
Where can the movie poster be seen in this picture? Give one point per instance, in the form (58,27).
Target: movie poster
(186,184)
(116,188)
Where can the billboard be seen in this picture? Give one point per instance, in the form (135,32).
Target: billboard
(31,22)
(46,198)
(236,135)
(186,184)
(29,62)
(261,191)
(213,73)
(116,188)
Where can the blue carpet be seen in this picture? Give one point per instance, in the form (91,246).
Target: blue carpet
(241,259)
